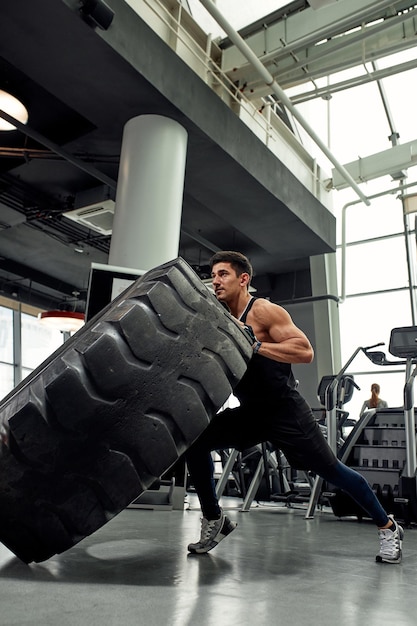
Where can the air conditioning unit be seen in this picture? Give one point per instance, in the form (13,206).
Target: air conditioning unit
(97,216)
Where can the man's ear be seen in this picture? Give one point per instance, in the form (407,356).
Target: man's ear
(244,278)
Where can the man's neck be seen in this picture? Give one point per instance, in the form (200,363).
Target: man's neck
(237,308)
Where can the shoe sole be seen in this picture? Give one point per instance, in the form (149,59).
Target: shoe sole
(380,559)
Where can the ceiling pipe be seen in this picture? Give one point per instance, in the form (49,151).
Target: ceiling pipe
(33,134)
(276,89)
(357,81)
(201,240)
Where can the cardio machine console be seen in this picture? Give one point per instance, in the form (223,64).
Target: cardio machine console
(403,342)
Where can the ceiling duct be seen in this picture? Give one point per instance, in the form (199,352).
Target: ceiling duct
(94,210)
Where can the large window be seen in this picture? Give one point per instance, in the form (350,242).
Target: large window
(378,265)
(383,217)
(38,342)
(24,343)
(366,321)
(376,271)
(6,350)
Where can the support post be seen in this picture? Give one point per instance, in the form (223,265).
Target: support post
(147,219)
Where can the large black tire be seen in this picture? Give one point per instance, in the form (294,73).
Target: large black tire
(113,409)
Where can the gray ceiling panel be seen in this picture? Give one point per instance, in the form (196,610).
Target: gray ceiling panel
(81,85)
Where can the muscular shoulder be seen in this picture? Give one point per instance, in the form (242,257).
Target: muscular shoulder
(263,308)
(267,313)
(282,340)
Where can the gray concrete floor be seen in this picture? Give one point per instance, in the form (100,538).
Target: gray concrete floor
(276,568)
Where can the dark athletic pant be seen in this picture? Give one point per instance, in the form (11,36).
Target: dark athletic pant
(289,425)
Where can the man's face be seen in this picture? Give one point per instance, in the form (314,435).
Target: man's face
(226,283)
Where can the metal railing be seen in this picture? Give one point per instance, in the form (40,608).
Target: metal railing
(200,52)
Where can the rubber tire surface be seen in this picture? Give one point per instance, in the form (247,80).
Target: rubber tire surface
(113,409)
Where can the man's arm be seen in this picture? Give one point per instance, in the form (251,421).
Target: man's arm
(281,340)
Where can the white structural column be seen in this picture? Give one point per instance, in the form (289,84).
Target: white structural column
(147,218)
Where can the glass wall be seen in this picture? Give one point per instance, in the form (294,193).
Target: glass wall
(376,254)
(6,351)
(24,343)
(377,275)
(38,342)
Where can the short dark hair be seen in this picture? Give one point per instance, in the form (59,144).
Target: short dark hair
(237,260)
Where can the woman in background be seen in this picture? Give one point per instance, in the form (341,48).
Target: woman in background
(374,402)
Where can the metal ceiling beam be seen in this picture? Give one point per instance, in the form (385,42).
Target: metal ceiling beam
(370,43)
(27,273)
(33,134)
(361,79)
(306,28)
(276,89)
(389,161)
(292,64)
(201,240)
(394,136)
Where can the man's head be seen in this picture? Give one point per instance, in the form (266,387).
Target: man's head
(231,274)
(237,261)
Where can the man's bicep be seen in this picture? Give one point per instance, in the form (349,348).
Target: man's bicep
(276,322)
(282,327)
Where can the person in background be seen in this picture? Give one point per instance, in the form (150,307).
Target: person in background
(374,402)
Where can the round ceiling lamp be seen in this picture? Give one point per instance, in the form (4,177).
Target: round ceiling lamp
(65,321)
(12,106)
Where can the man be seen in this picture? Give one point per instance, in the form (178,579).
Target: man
(271,409)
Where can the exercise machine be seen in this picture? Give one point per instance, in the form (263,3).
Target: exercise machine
(382,445)
(262,473)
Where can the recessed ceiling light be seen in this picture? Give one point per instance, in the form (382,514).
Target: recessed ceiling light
(11,105)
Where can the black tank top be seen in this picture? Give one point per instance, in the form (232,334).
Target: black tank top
(264,378)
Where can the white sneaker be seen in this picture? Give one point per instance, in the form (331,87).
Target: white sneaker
(390,540)
(212,532)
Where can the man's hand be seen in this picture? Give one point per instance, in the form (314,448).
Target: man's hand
(249,331)
(256,344)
